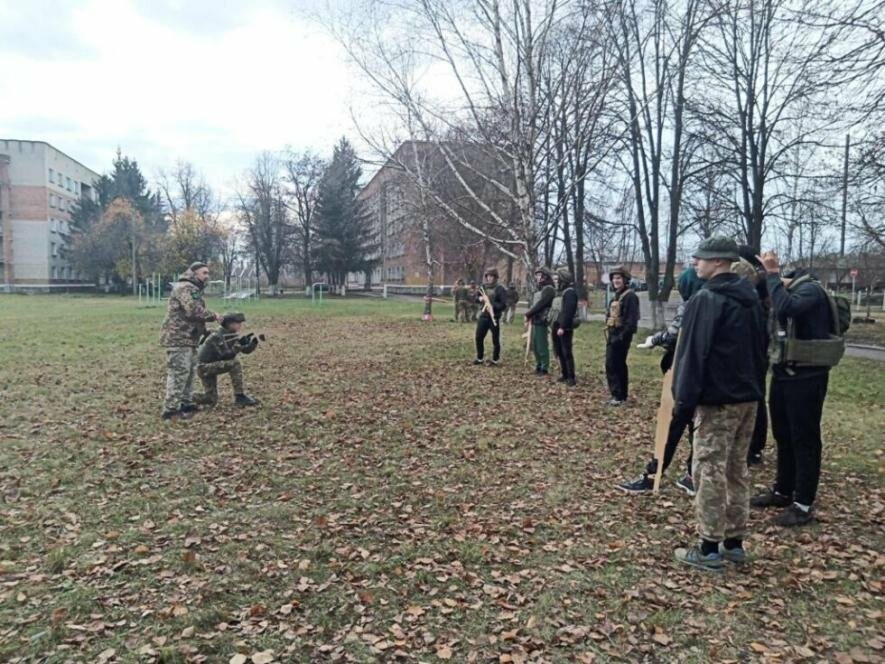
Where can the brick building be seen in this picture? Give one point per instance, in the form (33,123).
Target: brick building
(38,187)
(398,208)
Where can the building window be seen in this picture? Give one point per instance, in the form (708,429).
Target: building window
(61,180)
(51,175)
(69,185)
(52,200)
(53,249)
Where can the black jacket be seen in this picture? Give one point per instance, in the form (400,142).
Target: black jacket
(809,308)
(569,308)
(498,296)
(629,316)
(541,304)
(720,357)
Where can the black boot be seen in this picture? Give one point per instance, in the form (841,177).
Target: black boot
(189,408)
(245,400)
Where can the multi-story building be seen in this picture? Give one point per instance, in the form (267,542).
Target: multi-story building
(398,209)
(38,187)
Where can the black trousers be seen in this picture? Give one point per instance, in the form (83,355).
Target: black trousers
(562,348)
(760,430)
(616,364)
(483,325)
(796,409)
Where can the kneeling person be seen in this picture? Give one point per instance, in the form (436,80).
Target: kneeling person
(218,355)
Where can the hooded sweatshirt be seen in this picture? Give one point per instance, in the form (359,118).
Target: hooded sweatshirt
(721,357)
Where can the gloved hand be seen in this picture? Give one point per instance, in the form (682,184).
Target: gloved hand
(648,343)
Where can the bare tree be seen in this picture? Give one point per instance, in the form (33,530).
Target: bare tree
(494,52)
(263,210)
(304,171)
(654,45)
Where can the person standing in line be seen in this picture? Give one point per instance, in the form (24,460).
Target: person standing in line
(621,324)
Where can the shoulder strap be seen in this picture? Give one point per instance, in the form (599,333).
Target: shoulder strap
(834,309)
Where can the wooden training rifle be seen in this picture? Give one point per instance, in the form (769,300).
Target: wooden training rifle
(665,417)
(528,341)
(487,305)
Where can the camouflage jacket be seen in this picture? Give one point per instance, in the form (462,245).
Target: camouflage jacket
(219,346)
(186,314)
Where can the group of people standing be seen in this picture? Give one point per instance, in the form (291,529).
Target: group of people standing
(739,318)
(551,319)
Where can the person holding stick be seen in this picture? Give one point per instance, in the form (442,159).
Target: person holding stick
(494,301)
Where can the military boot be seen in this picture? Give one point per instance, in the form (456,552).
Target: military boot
(245,400)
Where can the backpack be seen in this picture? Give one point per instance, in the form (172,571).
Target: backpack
(556,307)
(787,349)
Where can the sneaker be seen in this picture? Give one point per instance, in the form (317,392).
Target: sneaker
(494,363)
(642,484)
(245,400)
(737,555)
(686,484)
(770,498)
(794,516)
(571,382)
(754,459)
(478,361)
(693,557)
(614,402)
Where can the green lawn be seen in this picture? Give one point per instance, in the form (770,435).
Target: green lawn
(390,501)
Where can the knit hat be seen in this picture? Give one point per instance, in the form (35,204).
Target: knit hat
(564,275)
(491,272)
(196,266)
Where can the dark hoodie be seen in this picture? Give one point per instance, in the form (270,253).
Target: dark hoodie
(720,357)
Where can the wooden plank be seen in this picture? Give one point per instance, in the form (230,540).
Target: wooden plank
(665,415)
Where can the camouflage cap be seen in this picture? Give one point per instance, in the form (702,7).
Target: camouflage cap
(564,275)
(232,317)
(717,247)
(744,268)
(493,272)
(196,266)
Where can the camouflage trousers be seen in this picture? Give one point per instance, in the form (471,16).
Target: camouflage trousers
(209,373)
(180,364)
(719,469)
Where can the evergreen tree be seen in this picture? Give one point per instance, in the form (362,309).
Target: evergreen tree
(343,233)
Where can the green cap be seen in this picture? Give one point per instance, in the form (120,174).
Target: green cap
(717,247)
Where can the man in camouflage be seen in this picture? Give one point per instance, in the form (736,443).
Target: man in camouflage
(459,296)
(473,300)
(717,381)
(218,355)
(184,325)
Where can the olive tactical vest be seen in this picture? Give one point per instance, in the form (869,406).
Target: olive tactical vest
(786,349)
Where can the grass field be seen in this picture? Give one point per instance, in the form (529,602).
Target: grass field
(389,501)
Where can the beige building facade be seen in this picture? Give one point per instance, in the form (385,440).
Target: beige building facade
(39,186)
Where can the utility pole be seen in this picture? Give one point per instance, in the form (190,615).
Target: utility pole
(844,195)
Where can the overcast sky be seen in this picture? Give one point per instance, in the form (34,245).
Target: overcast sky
(209,81)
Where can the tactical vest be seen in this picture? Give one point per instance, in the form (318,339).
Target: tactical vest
(786,349)
(614,310)
(556,307)
(541,316)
